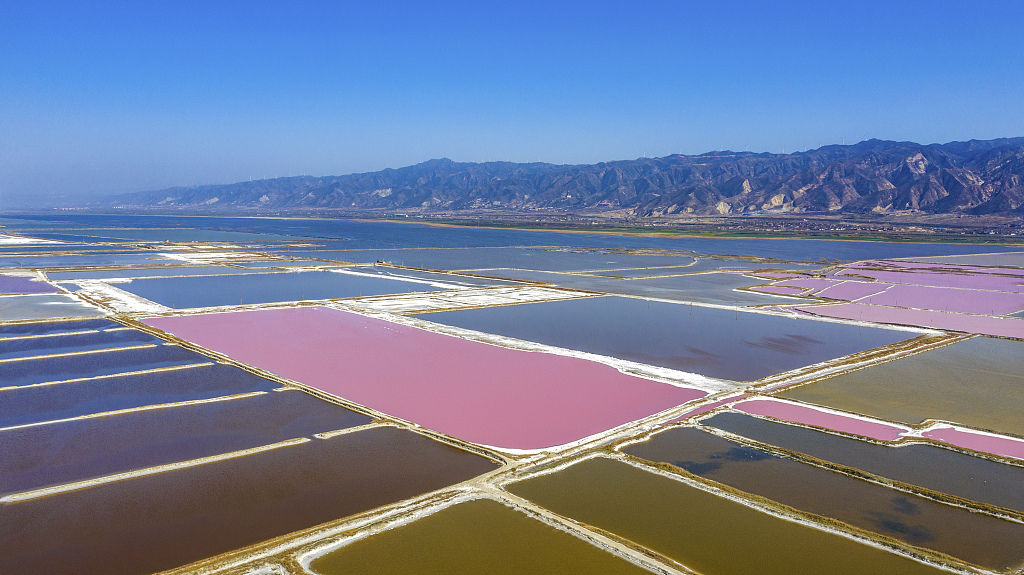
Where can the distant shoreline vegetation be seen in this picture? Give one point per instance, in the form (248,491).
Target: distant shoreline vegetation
(979,231)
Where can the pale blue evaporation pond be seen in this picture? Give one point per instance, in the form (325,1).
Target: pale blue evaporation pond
(211,291)
(720,343)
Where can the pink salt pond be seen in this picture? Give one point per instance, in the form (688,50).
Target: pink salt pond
(986,443)
(478,392)
(797,413)
(980,324)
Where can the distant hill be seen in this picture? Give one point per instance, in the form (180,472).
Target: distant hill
(975,177)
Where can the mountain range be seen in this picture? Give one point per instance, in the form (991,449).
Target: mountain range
(977,177)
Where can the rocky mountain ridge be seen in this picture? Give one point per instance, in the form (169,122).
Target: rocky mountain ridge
(975,177)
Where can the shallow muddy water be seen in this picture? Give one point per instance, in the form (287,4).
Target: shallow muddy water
(713,342)
(481,536)
(709,534)
(522,258)
(978,382)
(980,539)
(923,465)
(174,518)
(377,235)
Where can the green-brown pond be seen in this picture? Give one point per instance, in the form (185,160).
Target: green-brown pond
(707,533)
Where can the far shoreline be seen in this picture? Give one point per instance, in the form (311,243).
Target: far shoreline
(905,237)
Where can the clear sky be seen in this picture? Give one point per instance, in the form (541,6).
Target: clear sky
(99,97)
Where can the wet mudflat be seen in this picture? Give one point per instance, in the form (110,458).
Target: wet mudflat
(471,390)
(980,539)
(26,307)
(481,536)
(922,465)
(978,382)
(57,453)
(174,518)
(439,278)
(23,405)
(172,235)
(703,265)
(713,342)
(92,259)
(193,292)
(55,327)
(21,348)
(524,258)
(145,272)
(709,534)
(33,371)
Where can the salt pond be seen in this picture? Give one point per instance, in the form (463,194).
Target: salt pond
(170,519)
(192,292)
(709,534)
(926,466)
(714,342)
(480,536)
(978,382)
(976,538)
(44,455)
(474,391)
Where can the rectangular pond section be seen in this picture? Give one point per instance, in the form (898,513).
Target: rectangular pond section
(707,533)
(980,539)
(55,327)
(33,404)
(171,519)
(192,292)
(44,306)
(714,342)
(712,288)
(57,453)
(76,342)
(24,285)
(480,536)
(478,392)
(926,466)
(101,363)
(978,382)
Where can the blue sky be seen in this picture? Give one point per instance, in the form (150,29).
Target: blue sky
(99,97)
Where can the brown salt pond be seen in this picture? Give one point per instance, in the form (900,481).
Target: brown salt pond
(922,465)
(978,382)
(707,533)
(171,519)
(481,536)
(980,539)
(76,450)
